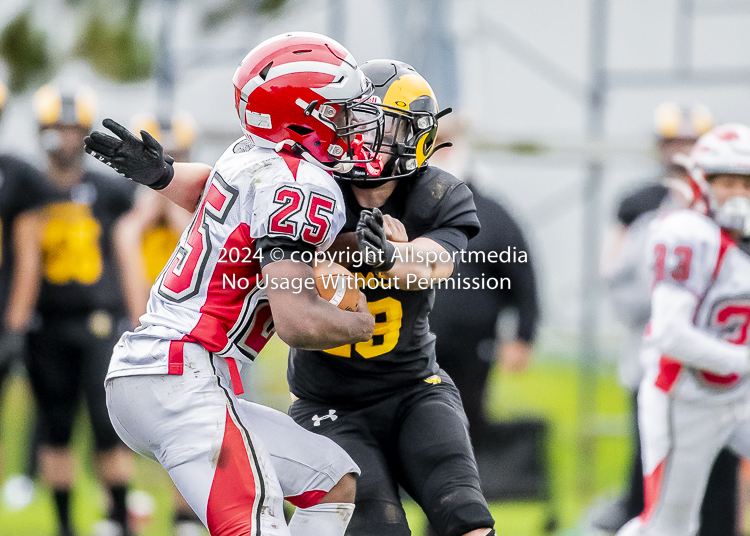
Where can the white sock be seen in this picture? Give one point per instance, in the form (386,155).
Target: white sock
(323,519)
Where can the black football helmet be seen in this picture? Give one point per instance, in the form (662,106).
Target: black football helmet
(411,123)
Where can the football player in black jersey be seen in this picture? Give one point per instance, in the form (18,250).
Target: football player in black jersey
(23,191)
(397,414)
(385,401)
(80,307)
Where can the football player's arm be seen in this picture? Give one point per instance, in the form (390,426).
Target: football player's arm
(419,264)
(343,249)
(187,185)
(305,320)
(414,265)
(143,161)
(673,331)
(27,266)
(515,354)
(127,236)
(431,256)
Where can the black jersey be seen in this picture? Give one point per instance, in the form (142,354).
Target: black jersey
(22,188)
(434,205)
(79,273)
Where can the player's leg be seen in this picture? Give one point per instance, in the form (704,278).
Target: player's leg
(190,425)
(185,521)
(436,463)
(469,374)
(680,441)
(54,374)
(4,374)
(113,460)
(316,474)
(19,487)
(378,508)
(719,507)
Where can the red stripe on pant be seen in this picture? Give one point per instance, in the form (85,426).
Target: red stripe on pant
(307,499)
(232,508)
(652,485)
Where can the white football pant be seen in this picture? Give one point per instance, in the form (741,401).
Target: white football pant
(680,440)
(229,458)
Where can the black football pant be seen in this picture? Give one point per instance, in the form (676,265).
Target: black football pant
(67,362)
(416,438)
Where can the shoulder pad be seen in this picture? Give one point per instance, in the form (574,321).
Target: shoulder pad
(686,226)
(426,192)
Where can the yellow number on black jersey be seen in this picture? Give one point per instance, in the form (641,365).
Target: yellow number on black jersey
(157,246)
(70,249)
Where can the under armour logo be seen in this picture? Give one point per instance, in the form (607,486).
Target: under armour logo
(331,415)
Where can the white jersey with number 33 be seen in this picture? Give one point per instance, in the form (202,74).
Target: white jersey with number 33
(208,292)
(688,250)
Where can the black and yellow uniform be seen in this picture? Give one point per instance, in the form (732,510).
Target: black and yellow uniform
(385,401)
(80,306)
(22,188)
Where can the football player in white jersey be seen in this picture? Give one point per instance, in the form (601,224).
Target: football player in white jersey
(233,281)
(695,398)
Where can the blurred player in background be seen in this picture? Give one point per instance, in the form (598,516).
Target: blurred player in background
(23,191)
(173,383)
(465,321)
(385,400)
(694,398)
(626,272)
(80,307)
(144,241)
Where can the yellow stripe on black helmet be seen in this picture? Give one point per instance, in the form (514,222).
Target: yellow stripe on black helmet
(672,121)
(178,135)
(54,108)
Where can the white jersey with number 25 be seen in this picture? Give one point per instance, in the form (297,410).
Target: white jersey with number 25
(208,292)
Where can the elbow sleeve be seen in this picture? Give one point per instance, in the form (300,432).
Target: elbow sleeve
(675,335)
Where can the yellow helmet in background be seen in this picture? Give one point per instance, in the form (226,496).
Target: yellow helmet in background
(177,136)
(674,121)
(55,108)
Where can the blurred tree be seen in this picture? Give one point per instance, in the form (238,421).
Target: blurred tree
(25,51)
(115,49)
(231,8)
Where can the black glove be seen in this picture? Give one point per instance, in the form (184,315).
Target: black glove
(12,345)
(142,161)
(376,250)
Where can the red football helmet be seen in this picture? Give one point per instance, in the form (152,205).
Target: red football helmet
(304,92)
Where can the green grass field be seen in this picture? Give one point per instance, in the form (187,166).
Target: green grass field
(548,389)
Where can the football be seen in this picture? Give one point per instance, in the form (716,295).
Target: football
(337,285)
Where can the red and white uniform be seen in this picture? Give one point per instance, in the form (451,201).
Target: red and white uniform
(694,399)
(207,292)
(171,384)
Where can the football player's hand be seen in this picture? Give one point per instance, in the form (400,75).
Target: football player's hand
(394,229)
(514,356)
(12,345)
(142,161)
(362,305)
(375,248)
